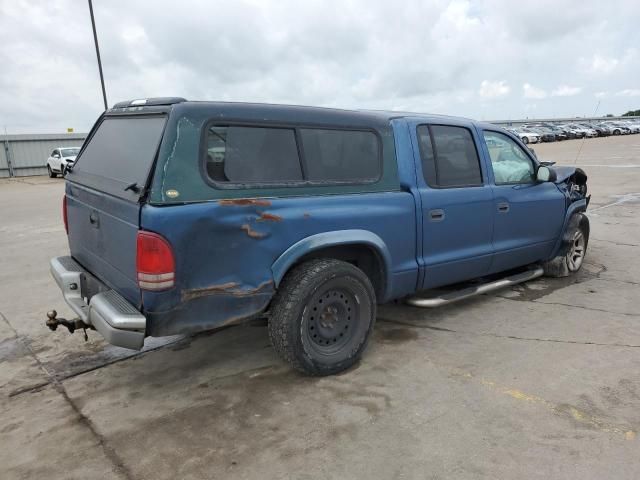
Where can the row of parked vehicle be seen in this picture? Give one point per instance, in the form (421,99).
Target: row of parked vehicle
(552,132)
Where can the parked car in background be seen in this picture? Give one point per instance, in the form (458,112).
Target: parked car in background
(527,136)
(602,129)
(558,132)
(634,127)
(188,216)
(570,131)
(546,134)
(61,160)
(584,131)
(618,128)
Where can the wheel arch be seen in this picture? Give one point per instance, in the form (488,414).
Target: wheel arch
(575,213)
(363,248)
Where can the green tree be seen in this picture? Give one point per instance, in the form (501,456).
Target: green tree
(632,113)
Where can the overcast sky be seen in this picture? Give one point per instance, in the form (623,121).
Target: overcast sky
(485,59)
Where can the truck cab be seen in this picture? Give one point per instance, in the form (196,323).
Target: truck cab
(189,216)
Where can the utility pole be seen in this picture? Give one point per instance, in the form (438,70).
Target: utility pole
(95,40)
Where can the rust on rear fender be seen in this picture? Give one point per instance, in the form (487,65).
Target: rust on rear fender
(229,288)
(244,202)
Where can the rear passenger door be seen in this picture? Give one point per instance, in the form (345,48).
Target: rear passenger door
(456,203)
(528,214)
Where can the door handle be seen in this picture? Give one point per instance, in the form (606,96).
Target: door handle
(503,207)
(93,219)
(436,215)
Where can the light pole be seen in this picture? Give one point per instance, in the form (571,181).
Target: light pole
(95,40)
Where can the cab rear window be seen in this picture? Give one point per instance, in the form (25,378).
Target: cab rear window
(120,154)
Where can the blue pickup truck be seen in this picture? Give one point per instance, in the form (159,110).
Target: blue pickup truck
(187,216)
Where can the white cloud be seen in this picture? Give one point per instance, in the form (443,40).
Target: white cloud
(629,92)
(494,89)
(566,91)
(601,94)
(316,52)
(533,92)
(602,64)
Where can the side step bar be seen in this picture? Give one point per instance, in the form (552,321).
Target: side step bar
(476,290)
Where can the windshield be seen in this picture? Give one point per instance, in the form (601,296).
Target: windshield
(69,152)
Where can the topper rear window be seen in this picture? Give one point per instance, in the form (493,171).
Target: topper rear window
(120,153)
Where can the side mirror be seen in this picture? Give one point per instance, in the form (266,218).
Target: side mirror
(56,156)
(546,174)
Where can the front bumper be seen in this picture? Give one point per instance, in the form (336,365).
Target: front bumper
(119,322)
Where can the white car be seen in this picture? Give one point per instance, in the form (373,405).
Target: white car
(60,159)
(527,136)
(634,127)
(583,132)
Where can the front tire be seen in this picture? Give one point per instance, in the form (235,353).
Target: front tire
(571,256)
(51,173)
(525,140)
(322,316)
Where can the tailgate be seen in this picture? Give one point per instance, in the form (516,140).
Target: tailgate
(103,198)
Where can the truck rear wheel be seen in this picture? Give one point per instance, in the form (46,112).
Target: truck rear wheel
(322,316)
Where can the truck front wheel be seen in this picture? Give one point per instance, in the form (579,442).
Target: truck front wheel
(574,249)
(322,316)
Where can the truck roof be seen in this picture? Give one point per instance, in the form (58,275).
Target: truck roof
(293,112)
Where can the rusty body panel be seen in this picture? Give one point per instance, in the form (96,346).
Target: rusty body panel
(225,251)
(244,202)
(230,288)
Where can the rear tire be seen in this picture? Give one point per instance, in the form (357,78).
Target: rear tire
(573,251)
(525,140)
(51,173)
(322,316)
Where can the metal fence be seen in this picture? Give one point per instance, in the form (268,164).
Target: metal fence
(24,155)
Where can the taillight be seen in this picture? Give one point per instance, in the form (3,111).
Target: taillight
(154,262)
(64,214)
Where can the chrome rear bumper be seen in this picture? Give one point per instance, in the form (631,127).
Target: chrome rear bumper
(119,322)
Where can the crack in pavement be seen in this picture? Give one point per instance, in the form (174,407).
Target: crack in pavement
(593,309)
(615,243)
(109,451)
(609,279)
(508,337)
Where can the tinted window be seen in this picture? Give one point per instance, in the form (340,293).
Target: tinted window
(121,150)
(449,156)
(340,155)
(427,156)
(509,161)
(252,154)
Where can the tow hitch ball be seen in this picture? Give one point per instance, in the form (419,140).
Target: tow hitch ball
(72,325)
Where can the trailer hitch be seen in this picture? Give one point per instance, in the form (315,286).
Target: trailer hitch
(72,325)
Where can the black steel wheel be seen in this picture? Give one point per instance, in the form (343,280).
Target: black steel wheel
(322,316)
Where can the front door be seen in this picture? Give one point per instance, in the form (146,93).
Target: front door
(528,214)
(457,204)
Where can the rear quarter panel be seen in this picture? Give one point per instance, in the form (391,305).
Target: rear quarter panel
(225,250)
